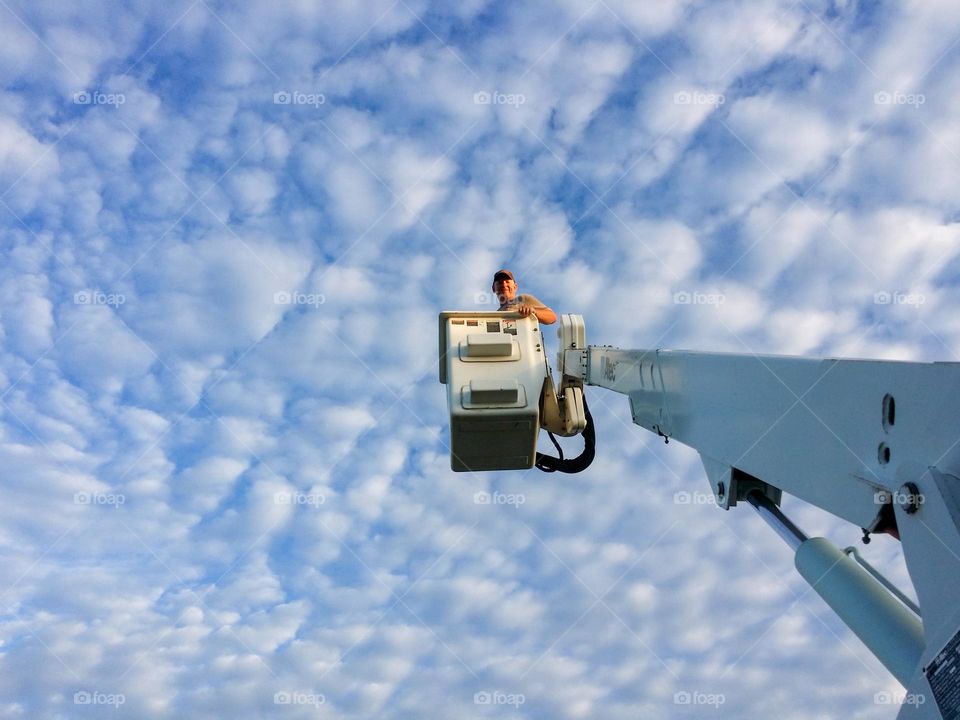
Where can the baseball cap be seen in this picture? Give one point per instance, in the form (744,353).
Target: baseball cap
(503,275)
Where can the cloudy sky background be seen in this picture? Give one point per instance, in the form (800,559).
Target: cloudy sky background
(171,173)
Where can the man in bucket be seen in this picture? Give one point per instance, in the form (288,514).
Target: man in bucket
(505,288)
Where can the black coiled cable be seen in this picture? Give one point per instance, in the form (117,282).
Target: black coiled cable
(549,463)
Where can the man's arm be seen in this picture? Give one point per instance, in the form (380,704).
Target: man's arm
(545,315)
(532,306)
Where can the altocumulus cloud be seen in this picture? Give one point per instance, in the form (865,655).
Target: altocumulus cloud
(227,233)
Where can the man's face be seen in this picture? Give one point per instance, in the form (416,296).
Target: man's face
(505,289)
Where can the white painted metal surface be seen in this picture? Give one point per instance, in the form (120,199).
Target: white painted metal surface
(883,623)
(563,411)
(494,365)
(876,443)
(813,428)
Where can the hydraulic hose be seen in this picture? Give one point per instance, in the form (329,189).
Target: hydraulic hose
(549,463)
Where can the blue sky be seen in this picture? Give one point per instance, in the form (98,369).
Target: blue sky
(227,233)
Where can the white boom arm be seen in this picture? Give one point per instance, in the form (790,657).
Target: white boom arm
(875,443)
